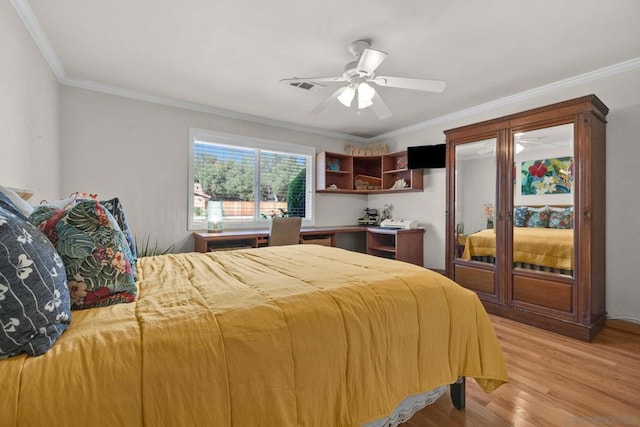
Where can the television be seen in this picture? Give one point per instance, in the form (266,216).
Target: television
(427,156)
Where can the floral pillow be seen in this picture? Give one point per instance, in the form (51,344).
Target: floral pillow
(117,210)
(520,216)
(94,251)
(561,218)
(538,217)
(34,298)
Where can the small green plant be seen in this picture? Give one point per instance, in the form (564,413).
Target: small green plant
(275,214)
(146,248)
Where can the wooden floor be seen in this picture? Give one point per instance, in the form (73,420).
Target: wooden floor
(554,381)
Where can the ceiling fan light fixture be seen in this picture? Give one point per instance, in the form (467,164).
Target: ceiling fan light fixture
(365,95)
(357,75)
(347,95)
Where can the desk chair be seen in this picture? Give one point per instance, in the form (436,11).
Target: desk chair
(285,231)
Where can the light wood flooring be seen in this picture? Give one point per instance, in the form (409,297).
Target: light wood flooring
(554,381)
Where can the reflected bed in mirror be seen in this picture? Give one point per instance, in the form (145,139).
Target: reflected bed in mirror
(542,237)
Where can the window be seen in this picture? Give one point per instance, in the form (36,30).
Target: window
(254,179)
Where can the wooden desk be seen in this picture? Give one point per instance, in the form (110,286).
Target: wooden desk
(255,238)
(403,245)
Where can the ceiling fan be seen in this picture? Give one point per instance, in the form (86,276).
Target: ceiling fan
(358,74)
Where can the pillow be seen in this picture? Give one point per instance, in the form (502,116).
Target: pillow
(520,216)
(62,203)
(87,196)
(538,217)
(34,298)
(8,205)
(561,218)
(116,209)
(22,205)
(94,251)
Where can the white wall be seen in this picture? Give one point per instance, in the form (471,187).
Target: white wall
(476,178)
(29,144)
(621,93)
(138,151)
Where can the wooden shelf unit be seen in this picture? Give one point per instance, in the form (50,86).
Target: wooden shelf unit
(394,167)
(328,175)
(401,245)
(380,172)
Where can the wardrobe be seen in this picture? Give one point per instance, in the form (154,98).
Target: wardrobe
(525,215)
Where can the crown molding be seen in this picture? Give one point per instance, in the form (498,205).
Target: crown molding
(34,28)
(600,73)
(201,108)
(32,24)
(24,11)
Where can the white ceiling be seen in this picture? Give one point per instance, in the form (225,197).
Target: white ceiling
(229,55)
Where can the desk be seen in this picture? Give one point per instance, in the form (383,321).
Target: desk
(402,245)
(233,239)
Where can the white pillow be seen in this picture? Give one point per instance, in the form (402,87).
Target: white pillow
(20,203)
(62,203)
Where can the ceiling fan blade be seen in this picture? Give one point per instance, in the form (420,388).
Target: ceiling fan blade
(312,79)
(380,108)
(329,100)
(409,83)
(370,60)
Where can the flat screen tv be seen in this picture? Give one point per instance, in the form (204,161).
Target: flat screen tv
(427,156)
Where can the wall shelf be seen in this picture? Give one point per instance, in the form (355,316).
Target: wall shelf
(341,173)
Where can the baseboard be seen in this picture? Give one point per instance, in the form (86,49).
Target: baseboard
(623,325)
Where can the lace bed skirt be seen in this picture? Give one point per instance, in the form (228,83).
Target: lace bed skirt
(408,407)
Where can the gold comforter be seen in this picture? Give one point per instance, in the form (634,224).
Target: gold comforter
(549,247)
(282,336)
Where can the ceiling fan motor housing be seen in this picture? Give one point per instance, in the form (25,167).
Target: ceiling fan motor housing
(357,47)
(351,71)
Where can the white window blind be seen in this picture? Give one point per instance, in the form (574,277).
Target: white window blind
(254,179)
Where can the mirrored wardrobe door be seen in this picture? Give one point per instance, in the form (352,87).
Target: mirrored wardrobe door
(475,201)
(543,200)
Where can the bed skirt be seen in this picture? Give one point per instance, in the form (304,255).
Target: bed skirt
(408,407)
(492,260)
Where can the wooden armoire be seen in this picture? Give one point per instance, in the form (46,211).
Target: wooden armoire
(526,215)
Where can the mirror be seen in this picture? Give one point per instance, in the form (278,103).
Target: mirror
(475,183)
(544,200)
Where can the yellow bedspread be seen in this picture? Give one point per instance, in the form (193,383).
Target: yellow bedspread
(281,336)
(549,247)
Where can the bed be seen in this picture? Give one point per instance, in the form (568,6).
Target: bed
(546,249)
(280,336)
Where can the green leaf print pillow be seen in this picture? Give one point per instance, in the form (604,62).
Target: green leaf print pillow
(94,251)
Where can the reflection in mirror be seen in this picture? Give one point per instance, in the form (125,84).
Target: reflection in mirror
(475,176)
(544,200)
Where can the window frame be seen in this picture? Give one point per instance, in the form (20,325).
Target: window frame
(241,141)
